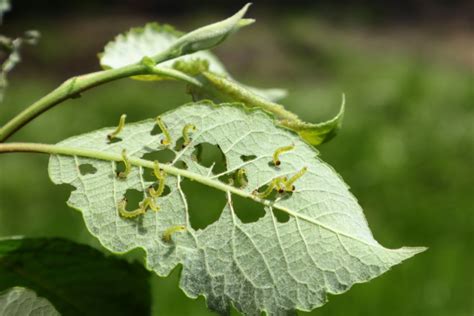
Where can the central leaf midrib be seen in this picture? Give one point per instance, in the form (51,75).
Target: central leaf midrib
(100,155)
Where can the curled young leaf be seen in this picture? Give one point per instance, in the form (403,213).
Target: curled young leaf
(211,35)
(267,265)
(319,133)
(225,89)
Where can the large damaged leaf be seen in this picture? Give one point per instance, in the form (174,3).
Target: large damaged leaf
(268,265)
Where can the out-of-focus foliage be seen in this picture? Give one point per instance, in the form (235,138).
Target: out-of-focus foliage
(405,149)
(10,49)
(4,7)
(76,279)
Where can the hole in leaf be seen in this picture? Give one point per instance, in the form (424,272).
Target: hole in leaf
(247,157)
(66,188)
(272,165)
(227,178)
(282,217)
(240,178)
(247,210)
(205,203)
(163,156)
(119,167)
(234,179)
(156,130)
(148,175)
(166,190)
(179,144)
(272,196)
(181,165)
(114,140)
(208,155)
(133,198)
(86,169)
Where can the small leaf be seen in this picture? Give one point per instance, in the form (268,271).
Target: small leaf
(222,88)
(77,279)
(152,39)
(19,301)
(140,42)
(324,247)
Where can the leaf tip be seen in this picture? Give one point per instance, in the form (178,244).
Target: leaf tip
(408,252)
(245,22)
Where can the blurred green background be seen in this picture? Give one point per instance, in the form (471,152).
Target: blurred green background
(406,147)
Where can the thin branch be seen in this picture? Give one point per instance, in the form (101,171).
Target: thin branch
(72,88)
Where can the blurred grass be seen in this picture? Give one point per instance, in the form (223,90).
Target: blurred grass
(406,149)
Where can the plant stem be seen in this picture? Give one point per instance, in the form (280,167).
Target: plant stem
(176,74)
(73,87)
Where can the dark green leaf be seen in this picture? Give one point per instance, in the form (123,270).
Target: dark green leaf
(76,279)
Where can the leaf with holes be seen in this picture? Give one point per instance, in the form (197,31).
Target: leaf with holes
(22,301)
(324,247)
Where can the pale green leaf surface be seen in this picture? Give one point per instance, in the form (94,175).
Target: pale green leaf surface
(20,301)
(325,247)
(149,40)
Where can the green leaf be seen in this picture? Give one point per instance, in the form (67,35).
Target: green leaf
(20,301)
(77,279)
(155,39)
(225,89)
(316,134)
(140,42)
(324,248)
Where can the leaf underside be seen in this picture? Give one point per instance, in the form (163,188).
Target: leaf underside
(325,247)
(21,301)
